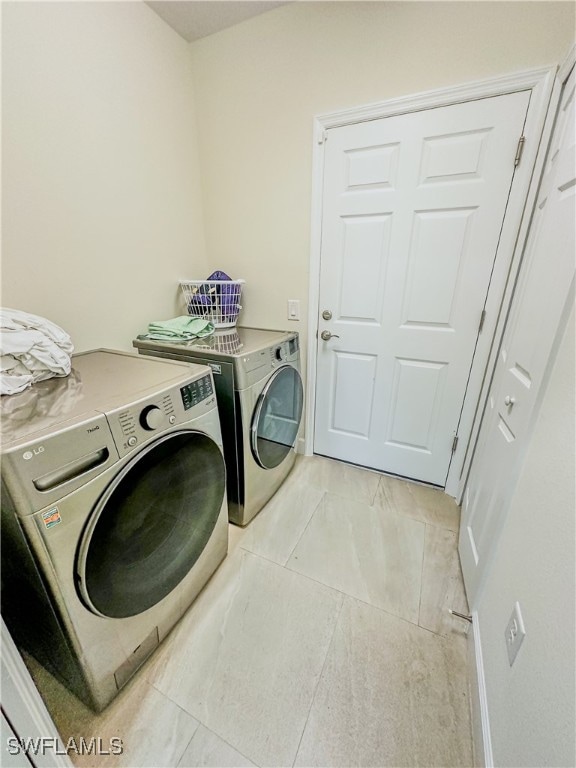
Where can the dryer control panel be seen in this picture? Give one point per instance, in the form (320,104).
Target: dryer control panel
(252,368)
(287,352)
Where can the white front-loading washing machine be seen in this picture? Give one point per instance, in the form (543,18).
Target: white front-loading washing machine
(260,400)
(114,513)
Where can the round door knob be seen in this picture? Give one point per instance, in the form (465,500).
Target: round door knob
(326,336)
(509,400)
(151,417)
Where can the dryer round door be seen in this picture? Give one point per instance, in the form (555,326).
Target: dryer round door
(277,416)
(151,525)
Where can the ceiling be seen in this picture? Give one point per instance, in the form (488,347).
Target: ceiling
(193,19)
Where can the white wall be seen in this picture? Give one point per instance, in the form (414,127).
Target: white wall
(532,704)
(101,199)
(259,85)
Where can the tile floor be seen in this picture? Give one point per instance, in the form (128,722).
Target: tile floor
(322,640)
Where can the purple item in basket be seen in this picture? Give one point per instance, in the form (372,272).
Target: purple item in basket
(218,275)
(228,295)
(199,300)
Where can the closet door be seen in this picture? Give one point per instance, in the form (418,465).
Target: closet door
(537,318)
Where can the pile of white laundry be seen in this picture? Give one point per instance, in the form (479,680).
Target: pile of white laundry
(32,349)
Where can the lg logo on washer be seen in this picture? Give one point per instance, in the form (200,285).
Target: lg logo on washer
(34,452)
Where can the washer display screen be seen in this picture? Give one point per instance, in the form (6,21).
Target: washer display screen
(196,391)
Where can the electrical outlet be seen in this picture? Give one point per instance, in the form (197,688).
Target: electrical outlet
(293,309)
(515,633)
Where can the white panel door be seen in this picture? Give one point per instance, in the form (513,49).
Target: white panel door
(412,211)
(541,300)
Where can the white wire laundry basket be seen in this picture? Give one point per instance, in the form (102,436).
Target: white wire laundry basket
(215,300)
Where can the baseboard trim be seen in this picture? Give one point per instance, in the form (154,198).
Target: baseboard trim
(300,446)
(483,757)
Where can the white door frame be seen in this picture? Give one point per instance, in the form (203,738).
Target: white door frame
(539,82)
(25,711)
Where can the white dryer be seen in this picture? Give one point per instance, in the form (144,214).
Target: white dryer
(114,513)
(260,400)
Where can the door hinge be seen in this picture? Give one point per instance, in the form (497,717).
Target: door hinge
(519,151)
(322,136)
(454,443)
(482,318)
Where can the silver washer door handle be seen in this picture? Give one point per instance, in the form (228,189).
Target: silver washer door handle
(326,336)
(509,400)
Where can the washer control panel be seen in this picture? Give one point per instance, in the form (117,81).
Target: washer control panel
(196,391)
(152,417)
(135,424)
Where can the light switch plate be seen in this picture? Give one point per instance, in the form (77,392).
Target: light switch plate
(293,309)
(515,633)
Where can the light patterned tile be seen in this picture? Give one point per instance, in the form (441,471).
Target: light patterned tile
(429,505)
(236,536)
(276,530)
(366,552)
(207,750)
(391,694)
(338,478)
(154,730)
(246,659)
(442,584)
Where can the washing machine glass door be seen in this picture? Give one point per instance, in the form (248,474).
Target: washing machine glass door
(277,417)
(151,525)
